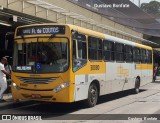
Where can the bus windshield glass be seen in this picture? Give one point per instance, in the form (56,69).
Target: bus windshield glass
(41,55)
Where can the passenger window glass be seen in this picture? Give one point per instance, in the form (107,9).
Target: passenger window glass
(108,50)
(119,55)
(79,51)
(94,48)
(137,55)
(129,53)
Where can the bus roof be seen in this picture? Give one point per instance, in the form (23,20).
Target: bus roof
(95,34)
(108,37)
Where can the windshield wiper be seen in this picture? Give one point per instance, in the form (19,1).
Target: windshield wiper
(51,37)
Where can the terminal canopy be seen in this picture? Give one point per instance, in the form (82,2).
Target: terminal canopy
(127,13)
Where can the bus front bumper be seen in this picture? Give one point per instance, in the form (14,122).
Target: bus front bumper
(42,95)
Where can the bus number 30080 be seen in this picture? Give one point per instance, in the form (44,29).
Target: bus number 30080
(95,67)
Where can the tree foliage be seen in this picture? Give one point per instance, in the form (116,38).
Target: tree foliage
(152,8)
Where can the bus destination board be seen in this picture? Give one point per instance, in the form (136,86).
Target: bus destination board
(35,30)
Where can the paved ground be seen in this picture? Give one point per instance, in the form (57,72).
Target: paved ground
(116,106)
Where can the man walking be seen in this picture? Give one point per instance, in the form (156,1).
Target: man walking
(3,81)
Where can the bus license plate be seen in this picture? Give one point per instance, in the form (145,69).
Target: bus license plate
(36,96)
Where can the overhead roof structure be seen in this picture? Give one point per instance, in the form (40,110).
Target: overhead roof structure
(57,9)
(6,17)
(84,4)
(131,16)
(63,11)
(113,14)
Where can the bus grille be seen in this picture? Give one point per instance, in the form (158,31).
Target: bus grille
(37,80)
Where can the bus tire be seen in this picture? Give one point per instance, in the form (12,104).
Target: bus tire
(92,96)
(137,86)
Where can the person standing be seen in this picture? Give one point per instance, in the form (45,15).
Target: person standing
(3,81)
(154,73)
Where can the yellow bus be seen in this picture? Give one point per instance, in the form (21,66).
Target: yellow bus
(67,63)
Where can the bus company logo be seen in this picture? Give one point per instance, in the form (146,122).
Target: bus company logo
(122,71)
(6,117)
(21,117)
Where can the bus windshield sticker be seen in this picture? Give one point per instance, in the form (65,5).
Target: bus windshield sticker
(38,66)
(23,68)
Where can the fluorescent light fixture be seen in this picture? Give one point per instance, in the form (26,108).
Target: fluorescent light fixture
(59,10)
(5,23)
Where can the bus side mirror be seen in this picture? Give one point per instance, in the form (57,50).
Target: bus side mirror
(74,34)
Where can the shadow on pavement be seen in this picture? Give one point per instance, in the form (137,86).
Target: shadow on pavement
(117,95)
(157,81)
(54,110)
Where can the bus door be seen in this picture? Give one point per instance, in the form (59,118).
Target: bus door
(79,55)
(137,61)
(127,67)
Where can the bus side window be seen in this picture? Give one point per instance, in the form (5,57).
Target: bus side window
(79,51)
(94,48)
(129,53)
(144,55)
(108,50)
(149,57)
(119,52)
(134,54)
(137,55)
(74,49)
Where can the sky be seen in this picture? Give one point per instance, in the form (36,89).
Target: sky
(142,1)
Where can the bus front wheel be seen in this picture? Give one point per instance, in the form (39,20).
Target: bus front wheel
(92,95)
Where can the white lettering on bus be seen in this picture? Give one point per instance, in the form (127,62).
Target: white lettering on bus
(33,31)
(51,30)
(26,31)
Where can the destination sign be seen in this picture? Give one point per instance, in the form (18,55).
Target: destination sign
(33,30)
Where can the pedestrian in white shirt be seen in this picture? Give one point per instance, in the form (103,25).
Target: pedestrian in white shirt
(3,81)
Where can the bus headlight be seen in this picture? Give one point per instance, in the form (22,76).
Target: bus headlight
(60,87)
(15,86)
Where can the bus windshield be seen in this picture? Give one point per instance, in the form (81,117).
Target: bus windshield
(41,55)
